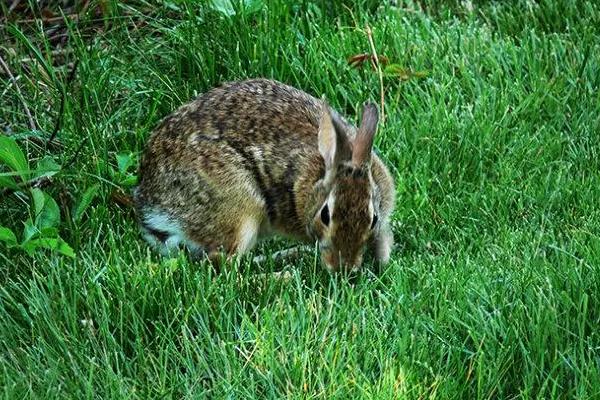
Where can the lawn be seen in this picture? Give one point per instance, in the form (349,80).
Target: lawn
(492,133)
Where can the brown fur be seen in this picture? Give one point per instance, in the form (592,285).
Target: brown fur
(245,156)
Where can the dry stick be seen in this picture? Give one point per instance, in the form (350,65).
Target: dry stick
(50,20)
(62,103)
(14,5)
(45,180)
(381,89)
(32,124)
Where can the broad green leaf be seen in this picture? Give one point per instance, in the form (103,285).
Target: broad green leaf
(49,232)
(129,180)
(38,200)
(11,155)
(64,248)
(85,201)
(253,6)
(47,213)
(7,236)
(223,6)
(124,161)
(226,7)
(45,243)
(54,244)
(29,230)
(46,167)
(50,215)
(30,246)
(7,182)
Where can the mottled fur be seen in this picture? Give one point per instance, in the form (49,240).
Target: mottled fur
(247,159)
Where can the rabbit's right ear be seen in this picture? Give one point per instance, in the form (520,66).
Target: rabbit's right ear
(363,142)
(333,144)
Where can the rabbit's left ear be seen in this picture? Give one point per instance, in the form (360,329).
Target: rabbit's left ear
(363,142)
(327,138)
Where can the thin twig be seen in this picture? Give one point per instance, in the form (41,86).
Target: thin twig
(379,72)
(50,20)
(119,197)
(61,109)
(32,124)
(14,5)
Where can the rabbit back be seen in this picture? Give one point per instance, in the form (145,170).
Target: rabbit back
(224,169)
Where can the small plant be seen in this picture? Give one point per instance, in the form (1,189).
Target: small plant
(124,176)
(40,230)
(389,70)
(230,8)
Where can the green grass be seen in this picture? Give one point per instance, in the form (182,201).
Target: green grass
(493,290)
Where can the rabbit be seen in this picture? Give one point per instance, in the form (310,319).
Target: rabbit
(254,158)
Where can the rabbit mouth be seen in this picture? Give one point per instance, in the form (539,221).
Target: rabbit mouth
(334,261)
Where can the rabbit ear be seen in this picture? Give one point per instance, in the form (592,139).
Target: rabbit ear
(333,143)
(327,138)
(363,142)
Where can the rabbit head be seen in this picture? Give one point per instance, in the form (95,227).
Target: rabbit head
(346,203)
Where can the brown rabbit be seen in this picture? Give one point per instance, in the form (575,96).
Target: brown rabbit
(257,157)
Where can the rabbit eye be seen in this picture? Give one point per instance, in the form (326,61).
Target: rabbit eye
(325,215)
(374,221)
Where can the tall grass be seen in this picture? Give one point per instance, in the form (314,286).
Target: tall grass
(493,289)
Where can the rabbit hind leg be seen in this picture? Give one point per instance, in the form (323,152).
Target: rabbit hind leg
(228,242)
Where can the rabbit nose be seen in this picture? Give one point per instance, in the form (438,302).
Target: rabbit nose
(355,265)
(331,261)
(348,265)
(336,261)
